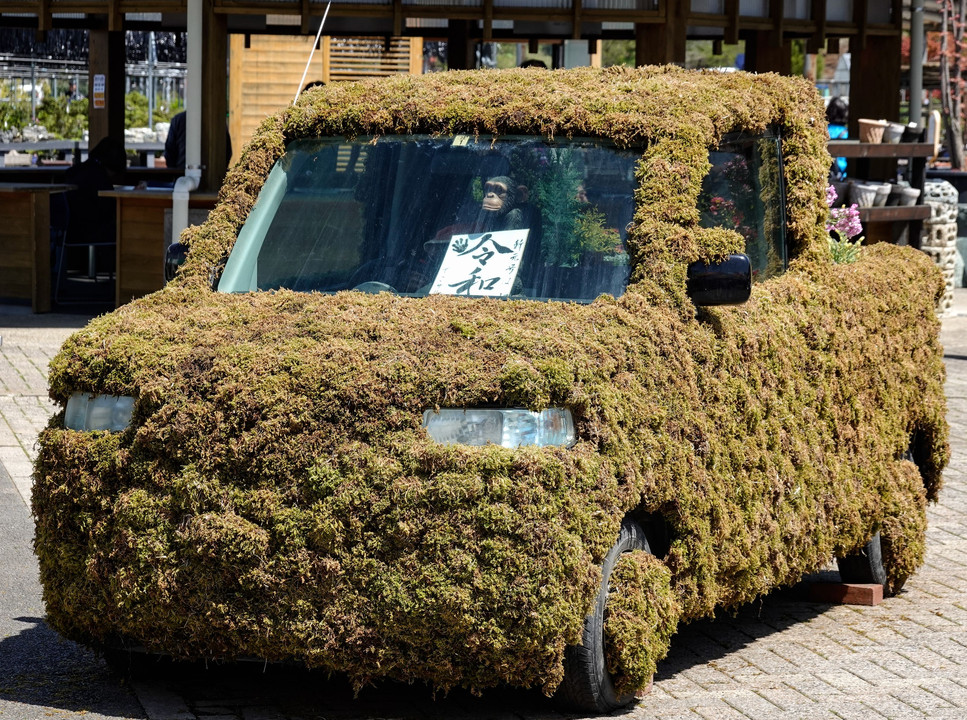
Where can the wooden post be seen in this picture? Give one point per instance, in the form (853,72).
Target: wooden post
(416,55)
(762,54)
(880,99)
(214,106)
(461,46)
(661,43)
(105,114)
(879,57)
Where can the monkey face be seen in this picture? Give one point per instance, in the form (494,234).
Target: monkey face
(495,196)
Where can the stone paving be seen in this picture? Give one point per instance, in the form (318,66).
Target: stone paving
(781,658)
(27,344)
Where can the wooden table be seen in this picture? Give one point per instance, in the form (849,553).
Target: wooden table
(141,241)
(25,239)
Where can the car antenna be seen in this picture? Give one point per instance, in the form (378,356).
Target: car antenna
(311,52)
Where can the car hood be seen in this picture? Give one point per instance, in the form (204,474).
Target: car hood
(372,364)
(276,494)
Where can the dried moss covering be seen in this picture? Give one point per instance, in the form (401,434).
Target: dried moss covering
(641,617)
(277,497)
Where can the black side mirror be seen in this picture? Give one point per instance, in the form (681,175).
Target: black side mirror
(174,259)
(724,283)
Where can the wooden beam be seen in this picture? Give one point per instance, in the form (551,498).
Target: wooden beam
(214,105)
(730,19)
(732,28)
(106,56)
(778,15)
(898,15)
(762,55)
(576,20)
(44,18)
(818,38)
(115,18)
(397,18)
(878,58)
(488,23)
(416,55)
(305,12)
(460,47)
(660,43)
(860,18)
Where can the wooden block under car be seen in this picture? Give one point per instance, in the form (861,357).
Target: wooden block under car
(846,593)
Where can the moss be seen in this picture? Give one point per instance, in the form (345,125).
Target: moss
(640,618)
(903,534)
(277,496)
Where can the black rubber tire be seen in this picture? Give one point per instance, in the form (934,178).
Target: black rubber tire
(135,662)
(865,565)
(587,684)
(130,664)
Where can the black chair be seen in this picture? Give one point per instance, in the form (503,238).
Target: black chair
(75,256)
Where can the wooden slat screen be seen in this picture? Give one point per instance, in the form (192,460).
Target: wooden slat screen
(264,77)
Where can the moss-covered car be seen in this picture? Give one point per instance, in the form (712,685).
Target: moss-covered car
(441,392)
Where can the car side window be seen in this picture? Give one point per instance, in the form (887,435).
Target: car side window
(744,191)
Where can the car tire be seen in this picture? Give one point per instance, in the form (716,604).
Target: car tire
(124,663)
(133,664)
(587,684)
(864,566)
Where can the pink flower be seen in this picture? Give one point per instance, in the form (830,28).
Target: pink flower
(831,195)
(845,222)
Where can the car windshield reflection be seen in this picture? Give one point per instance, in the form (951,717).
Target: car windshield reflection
(518,217)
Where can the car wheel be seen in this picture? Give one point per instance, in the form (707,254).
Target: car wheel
(125,663)
(133,664)
(587,684)
(865,565)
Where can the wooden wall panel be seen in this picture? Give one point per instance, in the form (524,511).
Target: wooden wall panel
(25,240)
(264,77)
(140,250)
(142,239)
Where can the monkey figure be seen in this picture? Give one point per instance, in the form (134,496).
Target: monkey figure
(500,209)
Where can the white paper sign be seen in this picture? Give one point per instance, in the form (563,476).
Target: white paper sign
(481,264)
(100,84)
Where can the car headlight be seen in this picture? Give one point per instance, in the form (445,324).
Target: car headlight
(509,428)
(98,412)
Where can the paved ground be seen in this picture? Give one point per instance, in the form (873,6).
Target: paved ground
(779,659)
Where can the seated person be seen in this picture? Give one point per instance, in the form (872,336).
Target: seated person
(92,217)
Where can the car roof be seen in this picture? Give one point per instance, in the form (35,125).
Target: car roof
(676,116)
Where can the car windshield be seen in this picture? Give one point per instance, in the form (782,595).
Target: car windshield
(419,215)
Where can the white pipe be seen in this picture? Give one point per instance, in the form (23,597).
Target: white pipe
(195,60)
(192,177)
(179,204)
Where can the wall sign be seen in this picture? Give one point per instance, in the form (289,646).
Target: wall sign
(98,92)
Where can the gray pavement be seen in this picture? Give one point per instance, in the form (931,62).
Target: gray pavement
(781,658)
